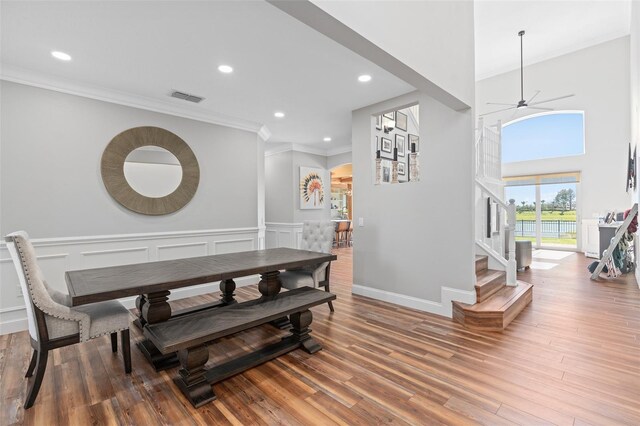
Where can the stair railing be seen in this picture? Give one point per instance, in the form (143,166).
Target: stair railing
(489,151)
(509,212)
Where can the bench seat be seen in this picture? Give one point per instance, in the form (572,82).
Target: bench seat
(189,335)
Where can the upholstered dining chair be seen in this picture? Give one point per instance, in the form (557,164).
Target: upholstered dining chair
(53,323)
(316,236)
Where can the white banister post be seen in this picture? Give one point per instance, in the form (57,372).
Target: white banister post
(499,159)
(481,148)
(511,222)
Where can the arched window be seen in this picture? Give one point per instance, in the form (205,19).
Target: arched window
(546,135)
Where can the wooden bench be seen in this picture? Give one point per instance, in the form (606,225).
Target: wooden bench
(189,335)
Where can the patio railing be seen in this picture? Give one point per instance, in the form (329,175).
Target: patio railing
(549,228)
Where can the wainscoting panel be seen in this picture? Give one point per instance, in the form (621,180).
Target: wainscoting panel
(233,246)
(115,257)
(57,255)
(181,251)
(283,235)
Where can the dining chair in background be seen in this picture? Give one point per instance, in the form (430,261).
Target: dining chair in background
(316,236)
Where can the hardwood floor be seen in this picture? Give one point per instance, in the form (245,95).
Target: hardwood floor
(572,357)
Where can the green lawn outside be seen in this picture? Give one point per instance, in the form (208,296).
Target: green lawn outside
(554,241)
(547,215)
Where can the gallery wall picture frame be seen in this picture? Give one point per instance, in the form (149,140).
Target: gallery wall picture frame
(378,122)
(390,115)
(414,139)
(402,168)
(312,188)
(400,144)
(386,171)
(401,121)
(386,148)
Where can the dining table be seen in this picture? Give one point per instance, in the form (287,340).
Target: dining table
(152,283)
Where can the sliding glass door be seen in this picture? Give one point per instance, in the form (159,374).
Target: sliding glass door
(546,209)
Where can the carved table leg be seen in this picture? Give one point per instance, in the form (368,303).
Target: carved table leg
(155,309)
(140,302)
(227,287)
(300,331)
(269,286)
(192,381)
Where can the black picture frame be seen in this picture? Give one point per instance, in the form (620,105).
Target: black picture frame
(414,139)
(401,121)
(390,115)
(378,122)
(386,148)
(401,145)
(402,171)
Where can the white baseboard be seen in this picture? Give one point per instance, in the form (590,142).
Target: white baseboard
(14,325)
(440,308)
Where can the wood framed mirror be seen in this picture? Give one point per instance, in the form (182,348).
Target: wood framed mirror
(132,160)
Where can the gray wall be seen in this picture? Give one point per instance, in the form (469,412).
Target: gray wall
(50,168)
(278,177)
(282,177)
(417,237)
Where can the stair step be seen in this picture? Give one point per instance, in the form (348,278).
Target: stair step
(496,312)
(482,263)
(488,282)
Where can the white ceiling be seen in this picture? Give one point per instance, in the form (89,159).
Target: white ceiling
(145,50)
(553,28)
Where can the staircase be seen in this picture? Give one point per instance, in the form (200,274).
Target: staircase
(496,303)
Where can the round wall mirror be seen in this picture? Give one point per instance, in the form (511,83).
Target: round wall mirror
(150,170)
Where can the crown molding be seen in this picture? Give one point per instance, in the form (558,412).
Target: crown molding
(43,81)
(264,133)
(288,146)
(338,150)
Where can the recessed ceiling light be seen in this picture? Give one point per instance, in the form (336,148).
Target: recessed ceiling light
(327,139)
(61,55)
(278,114)
(225,69)
(364,78)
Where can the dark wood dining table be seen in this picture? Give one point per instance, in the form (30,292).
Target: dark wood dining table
(152,282)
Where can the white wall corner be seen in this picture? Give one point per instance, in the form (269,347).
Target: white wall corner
(442,308)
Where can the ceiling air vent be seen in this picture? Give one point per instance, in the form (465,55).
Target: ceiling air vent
(186,97)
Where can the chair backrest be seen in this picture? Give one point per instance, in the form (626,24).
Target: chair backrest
(17,263)
(317,236)
(30,276)
(343,226)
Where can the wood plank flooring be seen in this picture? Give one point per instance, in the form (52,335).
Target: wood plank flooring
(572,357)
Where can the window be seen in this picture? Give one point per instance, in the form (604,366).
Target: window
(547,135)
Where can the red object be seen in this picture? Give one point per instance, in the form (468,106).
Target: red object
(633,226)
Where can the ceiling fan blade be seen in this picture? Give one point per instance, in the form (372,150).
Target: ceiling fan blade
(498,103)
(534,96)
(493,112)
(542,109)
(552,99)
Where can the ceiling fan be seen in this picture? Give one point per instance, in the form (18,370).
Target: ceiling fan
(522,103)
